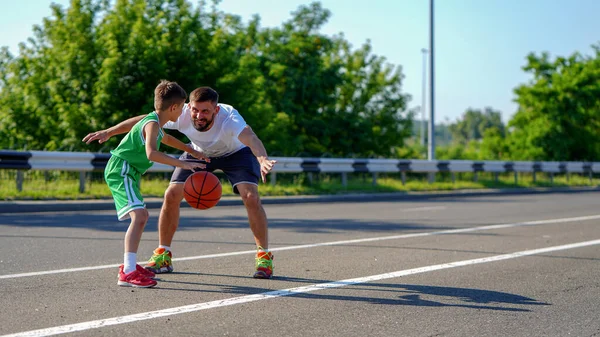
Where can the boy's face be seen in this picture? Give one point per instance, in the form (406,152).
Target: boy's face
(175,111)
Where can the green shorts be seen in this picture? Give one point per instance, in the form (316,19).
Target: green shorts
(124,184)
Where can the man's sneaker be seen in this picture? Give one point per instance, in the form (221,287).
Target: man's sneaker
(134,279)
(160,262)
(264,264)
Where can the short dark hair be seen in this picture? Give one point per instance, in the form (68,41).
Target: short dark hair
(204,94)
(168,93)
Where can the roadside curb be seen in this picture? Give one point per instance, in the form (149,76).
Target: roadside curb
(25,206)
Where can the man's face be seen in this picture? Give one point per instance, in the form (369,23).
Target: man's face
(203,114)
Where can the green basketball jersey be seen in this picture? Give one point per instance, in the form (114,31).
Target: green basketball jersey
(133,147)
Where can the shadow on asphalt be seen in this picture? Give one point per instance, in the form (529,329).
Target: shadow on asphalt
(375,293)
(110,224)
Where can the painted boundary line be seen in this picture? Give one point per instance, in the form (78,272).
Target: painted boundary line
(286,292)
(332,243)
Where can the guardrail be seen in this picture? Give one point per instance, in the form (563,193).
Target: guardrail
(86,162)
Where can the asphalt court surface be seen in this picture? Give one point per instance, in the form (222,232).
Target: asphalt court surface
(518,265)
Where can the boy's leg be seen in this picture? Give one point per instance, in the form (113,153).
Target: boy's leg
(168,220)
(139,218)
(123,182)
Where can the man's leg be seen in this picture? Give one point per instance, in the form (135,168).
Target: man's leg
(243,171)
(257,217)
(168,221)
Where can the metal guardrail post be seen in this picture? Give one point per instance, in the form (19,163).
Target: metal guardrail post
(533,173)
(344,179)
(431,177)
(551,178)
(516,178)
(20,180)
(81,181)
(273,178)
(403,175)
(374,181)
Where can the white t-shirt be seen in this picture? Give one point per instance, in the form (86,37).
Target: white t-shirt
(221,139)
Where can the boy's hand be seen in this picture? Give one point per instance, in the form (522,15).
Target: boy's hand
(199,155)
(192,166)
(101,136)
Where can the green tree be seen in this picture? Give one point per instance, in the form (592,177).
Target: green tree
(46,90)
(370,117)
(559,110)
(494,145)
(97,62)
(474,123)
(329,98)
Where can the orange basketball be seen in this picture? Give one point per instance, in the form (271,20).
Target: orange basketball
(202,190)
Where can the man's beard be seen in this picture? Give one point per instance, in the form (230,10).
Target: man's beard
(207,124)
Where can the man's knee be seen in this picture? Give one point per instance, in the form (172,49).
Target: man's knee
(174,194)
(250,197)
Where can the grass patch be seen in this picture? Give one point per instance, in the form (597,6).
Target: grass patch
(38,185)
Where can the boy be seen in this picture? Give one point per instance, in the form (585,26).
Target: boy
(132,158)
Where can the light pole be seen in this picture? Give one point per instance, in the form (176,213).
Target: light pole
(424,96)
(431,139)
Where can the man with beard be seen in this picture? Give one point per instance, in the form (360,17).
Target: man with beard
(221,134)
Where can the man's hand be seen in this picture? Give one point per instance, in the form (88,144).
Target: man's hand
(266,166)
(101,136)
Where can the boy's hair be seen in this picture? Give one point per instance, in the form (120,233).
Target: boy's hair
(204,94)
(168,93)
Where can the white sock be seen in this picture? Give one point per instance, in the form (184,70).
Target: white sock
(261,249)
(167,248)
(129,262)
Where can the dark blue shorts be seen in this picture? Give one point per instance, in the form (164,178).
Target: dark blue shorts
(239,167)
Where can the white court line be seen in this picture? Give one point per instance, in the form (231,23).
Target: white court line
(285,292)
(332,243)
(424,208)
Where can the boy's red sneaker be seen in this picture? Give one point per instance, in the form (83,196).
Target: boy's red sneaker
(135,279)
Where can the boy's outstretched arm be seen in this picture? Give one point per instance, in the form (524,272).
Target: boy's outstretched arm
(177,144)
(151,131)
(104,135)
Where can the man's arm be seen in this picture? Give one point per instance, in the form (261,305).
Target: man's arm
(250,139)
(104,135)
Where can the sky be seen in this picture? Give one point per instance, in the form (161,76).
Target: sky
(480,45)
